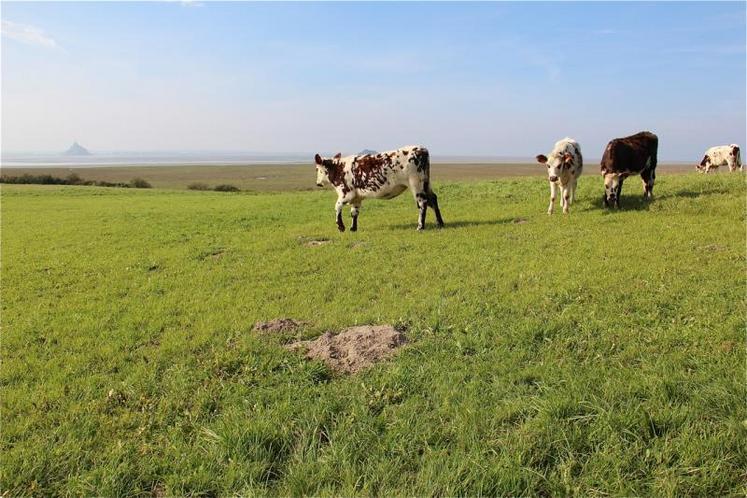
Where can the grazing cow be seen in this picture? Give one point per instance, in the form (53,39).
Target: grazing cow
(564,166)
(379,176)
(721,155)
(623,157)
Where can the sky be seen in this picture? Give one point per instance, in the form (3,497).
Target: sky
(504,78)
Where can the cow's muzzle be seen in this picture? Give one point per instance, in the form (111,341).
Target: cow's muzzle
(553,179)
(319,185)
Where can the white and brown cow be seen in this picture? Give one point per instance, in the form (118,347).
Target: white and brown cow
(379,176)
(636,154)
(719,156)
(564,165)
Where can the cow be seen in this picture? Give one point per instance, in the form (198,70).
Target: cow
(564,165)
(721,155)
(636,154)
(379,176)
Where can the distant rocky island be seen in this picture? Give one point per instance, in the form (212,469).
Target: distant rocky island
(77,150)
(366,151)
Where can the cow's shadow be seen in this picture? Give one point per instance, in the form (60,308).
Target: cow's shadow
(689,193)
(431,226)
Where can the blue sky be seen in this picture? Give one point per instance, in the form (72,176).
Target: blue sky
(461,78)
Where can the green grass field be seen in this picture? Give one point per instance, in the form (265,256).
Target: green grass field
(600,353)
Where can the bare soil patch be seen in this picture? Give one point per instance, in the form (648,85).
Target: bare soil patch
(278,325)
(311,242)
(519,221)
(354,348)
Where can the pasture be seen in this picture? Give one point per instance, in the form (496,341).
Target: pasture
(593,354)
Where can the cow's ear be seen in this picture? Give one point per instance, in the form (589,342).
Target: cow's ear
(338,155)
(567,157)
(542,159)
(318,159)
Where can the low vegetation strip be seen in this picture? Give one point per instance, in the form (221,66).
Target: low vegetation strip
(591,354)
(287,177)
(71,179)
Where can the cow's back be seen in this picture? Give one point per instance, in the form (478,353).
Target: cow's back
(631,154)
(387,174)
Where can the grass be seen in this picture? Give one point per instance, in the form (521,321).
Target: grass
(593,354)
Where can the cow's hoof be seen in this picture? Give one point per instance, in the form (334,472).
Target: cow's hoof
(419,229)
(341,228)
(353,229)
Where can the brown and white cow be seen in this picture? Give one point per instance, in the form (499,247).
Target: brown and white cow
(379,176)
(564,165)
(720,155)
(636,154)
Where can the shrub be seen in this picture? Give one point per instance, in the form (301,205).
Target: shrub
(74,179)
(198,186)
(140,183)
(226,188)
(104,183)
(33,179)
(71,179)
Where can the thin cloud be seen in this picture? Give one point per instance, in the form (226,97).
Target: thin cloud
(30,35)
(191,3)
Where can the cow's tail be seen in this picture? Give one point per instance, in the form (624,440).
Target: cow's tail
(737,157)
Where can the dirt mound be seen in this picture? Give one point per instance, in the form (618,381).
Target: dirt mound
(278,325)
(354,348)
(312,242)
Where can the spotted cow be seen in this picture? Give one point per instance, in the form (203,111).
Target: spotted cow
(379,176)
(636,154)
(564,165)
(721,155)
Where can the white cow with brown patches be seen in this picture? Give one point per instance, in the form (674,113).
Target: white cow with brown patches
(721,155)
(379,176)
(564,165)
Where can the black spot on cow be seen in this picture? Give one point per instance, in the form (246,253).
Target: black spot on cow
(369,172)
(421,160)
(336,173)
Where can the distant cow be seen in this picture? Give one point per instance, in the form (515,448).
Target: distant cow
(721,155)
(627,156)
(564,166)
(379,176)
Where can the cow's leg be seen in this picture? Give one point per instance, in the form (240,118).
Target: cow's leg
(575,186)
(422,201)
(618,193)
(354,214)
(648,176)
(566,192)
(338,213)
(553,192)
(433,203)
(419,189)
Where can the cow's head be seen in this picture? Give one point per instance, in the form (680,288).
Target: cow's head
(612,187)
(556,164)
(322,168)
(700,168)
